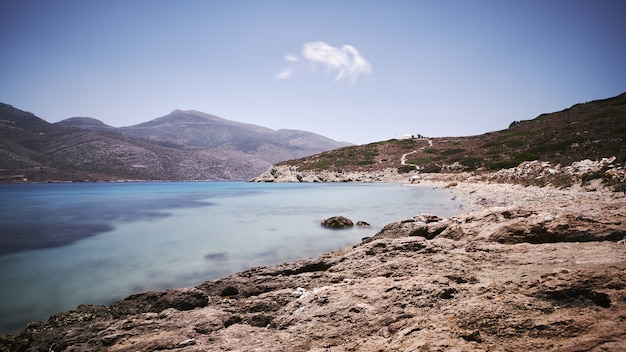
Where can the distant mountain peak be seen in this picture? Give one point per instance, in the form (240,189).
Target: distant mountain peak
(85,123)
(198,129)
(183,145)
(82,120)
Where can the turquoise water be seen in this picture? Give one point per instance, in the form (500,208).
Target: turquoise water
(62,245)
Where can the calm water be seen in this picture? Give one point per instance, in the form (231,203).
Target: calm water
(62,245)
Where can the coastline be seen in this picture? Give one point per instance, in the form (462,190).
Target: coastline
(476,194)
(504,275)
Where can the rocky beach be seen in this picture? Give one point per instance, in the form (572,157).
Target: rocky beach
(527,267)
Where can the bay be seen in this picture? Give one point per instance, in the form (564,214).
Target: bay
(62,245)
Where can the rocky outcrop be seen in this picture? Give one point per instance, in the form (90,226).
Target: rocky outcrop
(393,294)
(580,172)
(528,269)
(337,222)
(287,173)
(512,225)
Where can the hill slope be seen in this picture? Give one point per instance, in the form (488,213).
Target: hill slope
(197,129)
(86,149)
(591,130)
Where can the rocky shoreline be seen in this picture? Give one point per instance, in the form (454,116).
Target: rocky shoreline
(525,268)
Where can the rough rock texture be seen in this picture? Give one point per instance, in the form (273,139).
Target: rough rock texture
(286,173)
(337,222)
(579,172)
(514,225)
(526,268)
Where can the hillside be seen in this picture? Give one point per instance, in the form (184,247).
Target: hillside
(591,130)
(197,129)
(179,146)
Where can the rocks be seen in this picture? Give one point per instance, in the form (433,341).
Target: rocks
(341,222)
(528,268)
(337,222)
(283,173)
(514,225)
(404,293)
(155,302)
(579,172)
(424,225)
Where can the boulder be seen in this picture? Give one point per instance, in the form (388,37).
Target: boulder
(337,222)
(362,224)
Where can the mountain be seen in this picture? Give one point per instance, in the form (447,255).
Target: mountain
(179,146)
(197,129)
(88,123)
(591,130)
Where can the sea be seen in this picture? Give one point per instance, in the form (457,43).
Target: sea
(66,244)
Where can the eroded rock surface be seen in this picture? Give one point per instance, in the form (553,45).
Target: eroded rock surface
(404,293)
(337,222)
(286,173)
(529,272)
(512,225)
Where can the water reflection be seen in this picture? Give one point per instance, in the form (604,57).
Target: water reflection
(39,225)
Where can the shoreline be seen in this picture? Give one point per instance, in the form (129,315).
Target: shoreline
(477,195)
(505,274)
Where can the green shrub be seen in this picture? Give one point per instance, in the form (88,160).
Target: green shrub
(365,162)
(403,143)
(514,143)
(423,160)
(608,113)
(551,147)
(370,153)
(524,156)
(452,151)
(431,169)
(488,144)
(504,164)
(472,163)
(322,165)
(406,169)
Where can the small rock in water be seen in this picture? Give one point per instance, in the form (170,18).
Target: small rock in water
(362,224)
(337,222)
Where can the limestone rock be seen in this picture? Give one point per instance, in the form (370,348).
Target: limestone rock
(527,269)
(337,222)
(424,225)
(284,173)
(398,294)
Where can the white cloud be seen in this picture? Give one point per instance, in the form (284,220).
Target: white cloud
(346,61)
(285,73)
(291,58)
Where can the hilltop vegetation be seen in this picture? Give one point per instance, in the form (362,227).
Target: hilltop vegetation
(590,130)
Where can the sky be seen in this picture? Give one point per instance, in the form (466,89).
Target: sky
(358,71)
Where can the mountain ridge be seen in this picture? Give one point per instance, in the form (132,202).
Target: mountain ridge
(197,129)
(182,145)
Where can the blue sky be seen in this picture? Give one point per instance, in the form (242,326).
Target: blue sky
(358,71)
